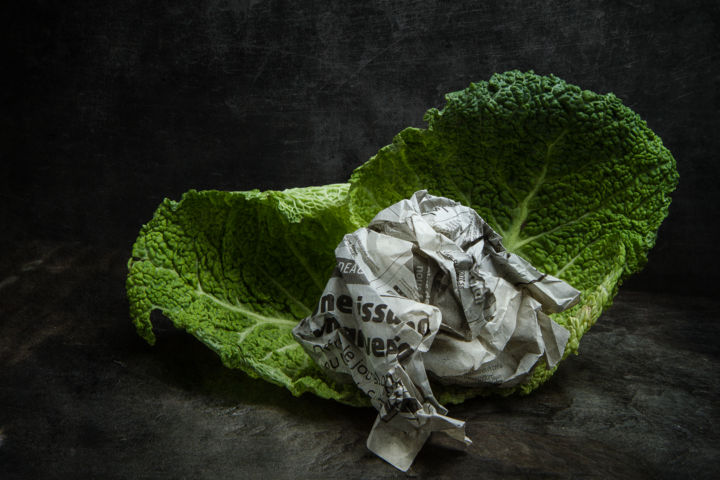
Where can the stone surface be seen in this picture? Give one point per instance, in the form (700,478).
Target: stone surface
(82,396)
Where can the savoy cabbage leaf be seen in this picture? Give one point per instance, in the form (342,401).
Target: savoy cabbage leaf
(574,181)
(238,270)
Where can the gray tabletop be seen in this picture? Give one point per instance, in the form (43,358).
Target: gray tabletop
(83,396)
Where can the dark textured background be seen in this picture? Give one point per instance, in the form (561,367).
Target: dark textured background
(112,106)
(119,104)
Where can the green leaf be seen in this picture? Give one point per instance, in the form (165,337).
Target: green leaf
(574,181)
(238,270)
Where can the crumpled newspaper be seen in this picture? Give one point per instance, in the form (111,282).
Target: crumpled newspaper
(428,289)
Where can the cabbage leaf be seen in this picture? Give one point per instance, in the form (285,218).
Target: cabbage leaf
(574,181)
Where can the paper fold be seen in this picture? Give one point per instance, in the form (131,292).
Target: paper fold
(428,289)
